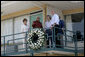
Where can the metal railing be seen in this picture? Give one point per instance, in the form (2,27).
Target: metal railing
(26,49)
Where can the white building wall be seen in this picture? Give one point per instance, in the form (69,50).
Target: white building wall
(6,29)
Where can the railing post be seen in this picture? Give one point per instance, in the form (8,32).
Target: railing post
(26,42)
(54,39)
(65,32)
(32,53)
(8,42)
(47,40)
(76,48)
(65,39)
(4,45)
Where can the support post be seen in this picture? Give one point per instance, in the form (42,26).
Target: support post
(75,43)
(32,53)
(4,45)
(65,32)
(26,42)
(54,39)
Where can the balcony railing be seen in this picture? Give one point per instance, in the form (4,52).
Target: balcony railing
(14,48)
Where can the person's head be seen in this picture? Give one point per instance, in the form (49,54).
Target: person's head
(52,12)
(25,21)
(48,17)
(38,19)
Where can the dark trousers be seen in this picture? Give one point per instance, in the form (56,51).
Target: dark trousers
(56,40)
(49,40)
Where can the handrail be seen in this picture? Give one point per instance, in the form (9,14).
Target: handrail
(13,34)
(35,28)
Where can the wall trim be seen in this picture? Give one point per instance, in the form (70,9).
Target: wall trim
(27,11)
(77,10)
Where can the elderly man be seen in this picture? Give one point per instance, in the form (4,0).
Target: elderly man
(55,23)
(37,23)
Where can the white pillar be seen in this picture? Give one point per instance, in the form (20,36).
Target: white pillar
(69,27)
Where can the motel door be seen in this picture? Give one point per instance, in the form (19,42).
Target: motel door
(34,16)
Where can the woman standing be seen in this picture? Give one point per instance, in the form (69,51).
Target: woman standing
(24,28)
(48,29)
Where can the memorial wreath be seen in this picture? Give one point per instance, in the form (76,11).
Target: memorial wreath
(36,39)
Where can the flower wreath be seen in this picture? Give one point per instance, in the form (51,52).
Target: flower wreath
(36,39)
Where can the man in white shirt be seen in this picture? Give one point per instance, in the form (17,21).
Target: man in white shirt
(55,19)
(24,28)
(54,23)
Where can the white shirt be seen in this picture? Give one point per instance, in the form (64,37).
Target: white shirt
(47,24)
(24,28)
(55,19)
